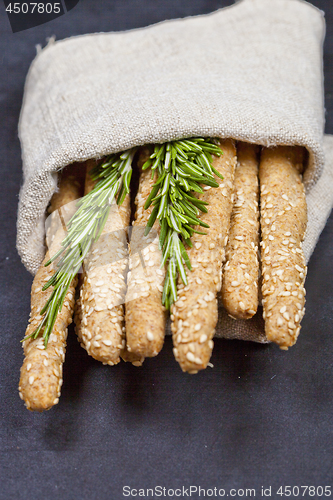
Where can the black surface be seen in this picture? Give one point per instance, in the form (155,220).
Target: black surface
(260,417)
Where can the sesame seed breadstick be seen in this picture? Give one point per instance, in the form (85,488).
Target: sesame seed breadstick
(241,271)
(283,223)
(41,372)
(194,315)
(145,314)
(99,312)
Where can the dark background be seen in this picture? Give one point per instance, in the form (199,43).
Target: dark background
(260,417)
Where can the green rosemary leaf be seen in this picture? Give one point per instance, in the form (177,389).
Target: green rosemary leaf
(180,267)
(147,164)
(163,204)
(163,233)
(216,172)
(173,277)
(197,231)
(195,187)
(151,220)
(151,196)
(185,256)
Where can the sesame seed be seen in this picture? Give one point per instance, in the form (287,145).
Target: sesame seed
(267,221)
(197,327)
(279,321)
(150,336)
(203,338)
(285,197)
(190,356)
(197,245)
(28,366)
(296,317)
(270,237)
(210,344)
(56,401)
(286,316)
(234,283)
(211,246)
(298,268)
(285,294)
(31,379)
(239,238)
(242,305)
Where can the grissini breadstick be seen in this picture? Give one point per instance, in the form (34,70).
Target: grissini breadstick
(99,312)
(283,223)
(194,315)
(145,314)
(41,372)
(241,270)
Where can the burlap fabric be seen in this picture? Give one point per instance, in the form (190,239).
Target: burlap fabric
(252,72)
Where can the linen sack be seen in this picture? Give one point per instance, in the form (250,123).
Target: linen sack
(252,72)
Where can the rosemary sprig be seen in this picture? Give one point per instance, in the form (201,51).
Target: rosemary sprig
(181,167)
(84,228)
